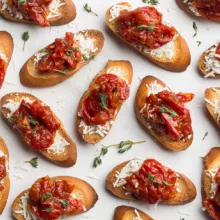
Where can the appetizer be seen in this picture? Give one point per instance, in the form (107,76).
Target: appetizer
(101,103)
(61,59)
(209,62)
(163,114)
(208,9)
(150,181)
(130,213)
(210,183)
(144,29)
(6,50)
(43,13)
(212,99)
(4,175)
(54,198)
(39,127)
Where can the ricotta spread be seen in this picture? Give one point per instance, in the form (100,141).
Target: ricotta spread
(191,7)
(3,57)
(155,88)
(214,186)
(137,217)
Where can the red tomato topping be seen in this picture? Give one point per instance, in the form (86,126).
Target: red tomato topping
(209,9)
(36,124)
(51,199)
(34,9)
(166,114)
(2,72)
(107,92)
(60,55)
(144,25)
(212,205)
(3,171)
(153,182)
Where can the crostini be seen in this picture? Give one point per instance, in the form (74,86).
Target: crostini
(4,175)
(54,198)
(210,183)
(163,114)
(42,13)
(144,30)
(206,9)
(73,52)
(150,181)
(212,99)
(130,213)
(6,50)
(39,127)
(101,103)
(209,62)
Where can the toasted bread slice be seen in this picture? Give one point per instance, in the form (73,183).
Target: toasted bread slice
(180,60)
(186,194)
(6,46)
(202,67)
(129,213)
(83,191)
(31,77)
(66,158)
(6,183)
(67,14)
(126,71)
(211,96)
(140,96)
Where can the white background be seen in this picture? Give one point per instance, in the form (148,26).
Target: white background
(64,99)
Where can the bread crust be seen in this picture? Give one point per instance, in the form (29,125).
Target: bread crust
(68,14)
(140,95)
(125,67)
(181,59)
(30,77)
(128,213)
(186,195)
(66,159)
(6,185)
(83,191)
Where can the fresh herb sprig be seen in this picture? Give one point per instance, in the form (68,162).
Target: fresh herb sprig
(88,9)
(195,28)
(25,37)
(33,162)
(150,27)
(198,43)
(205,135)
(21,2)
(123,147)
(166,110)
(104,100)
(152,2)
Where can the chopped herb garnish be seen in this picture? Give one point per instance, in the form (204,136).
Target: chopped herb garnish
(205,135)
(33,122)
(121,145)
(48,210)
(198,43)
(195,28)
(92,57)
(64,203)
(24,104)
(20,115)
(33,162)
(151,178)
(25,37)
(150,27)
(89,10)
(181,218)
(84,57)
(60,71)
(62,216)
(34,132)
(167,184)
(46,195)
(21,2)
(104,100)
(69,52)
(152,2)
(166,110)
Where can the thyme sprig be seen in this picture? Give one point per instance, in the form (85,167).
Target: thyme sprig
(25,37)
(88,9)
(33,162)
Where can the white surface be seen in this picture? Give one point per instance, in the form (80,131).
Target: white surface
(64,99)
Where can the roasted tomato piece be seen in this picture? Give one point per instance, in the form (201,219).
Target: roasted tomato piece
(2,72)
(3,171)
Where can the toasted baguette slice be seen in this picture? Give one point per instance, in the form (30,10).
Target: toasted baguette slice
(6,46)
(202,67)
(83,191)
(210,96)
(6,184)
(178,63)
(140,96)
(126,70)
(129,213)
(187,188)
(64,159)
(67,14)
(31,77)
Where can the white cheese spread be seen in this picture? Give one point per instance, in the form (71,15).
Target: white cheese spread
(3,57)
(216,106)
(191,7)
(38,56)
(116,9)
(137,217)
(117,71)
(214,186)
(54,9)
(155,88)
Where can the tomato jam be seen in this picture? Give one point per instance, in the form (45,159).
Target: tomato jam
(2,72)
(3,171)
(106,93)
(209,9)
(212,205)
(166,114)
(51,199)
(60,55)
(36,124)
(144,26)
(153,182)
